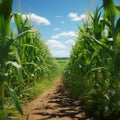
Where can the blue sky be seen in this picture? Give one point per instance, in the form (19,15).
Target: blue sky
(57,20)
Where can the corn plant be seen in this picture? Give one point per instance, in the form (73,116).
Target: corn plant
(24,57)
(93,71)
(6,44)
(31,56)
(33,53)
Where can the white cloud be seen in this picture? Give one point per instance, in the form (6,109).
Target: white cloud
(65,34)
(35,19)
(55,44)
(75,17)
(59,53)
(70,41)
(57,48)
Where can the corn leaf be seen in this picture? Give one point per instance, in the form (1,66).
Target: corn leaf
(14,98)
(18,21)
(110,11)
(23,34)
(5,11)
(118,8)
(3,77)
(18,67)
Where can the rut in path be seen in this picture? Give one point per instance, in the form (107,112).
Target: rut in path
(55,104)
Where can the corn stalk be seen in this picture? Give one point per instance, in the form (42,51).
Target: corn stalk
(6,41)
(5,12)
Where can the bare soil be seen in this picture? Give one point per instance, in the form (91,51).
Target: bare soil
(55,104)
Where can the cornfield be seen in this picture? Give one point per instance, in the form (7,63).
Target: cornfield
(93,72)
(24,57)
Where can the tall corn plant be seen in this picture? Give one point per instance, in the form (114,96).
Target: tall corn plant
(113,25)
(22,46)
(85,54)
(34,56)
(30,48)
(93,71)
(6,42)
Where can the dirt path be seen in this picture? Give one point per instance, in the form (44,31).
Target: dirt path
(55,104)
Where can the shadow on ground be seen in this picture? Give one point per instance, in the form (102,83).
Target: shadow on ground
(60,106)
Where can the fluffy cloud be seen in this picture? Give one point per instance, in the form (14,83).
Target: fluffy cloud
(57,48)
(64,34)
(75,17)
(35,19)
(70,41)
(58,53)
(55,44)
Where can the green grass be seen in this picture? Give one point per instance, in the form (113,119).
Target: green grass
(38,89)
(62,62)
(35,90)
(44,85)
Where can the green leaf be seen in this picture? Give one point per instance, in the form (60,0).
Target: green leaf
(29,45)
(14,97)
(23,34)
(18,21)
(110,10)
(18,67)
(3,77)
(15,64)
(5,11)
(117,7)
